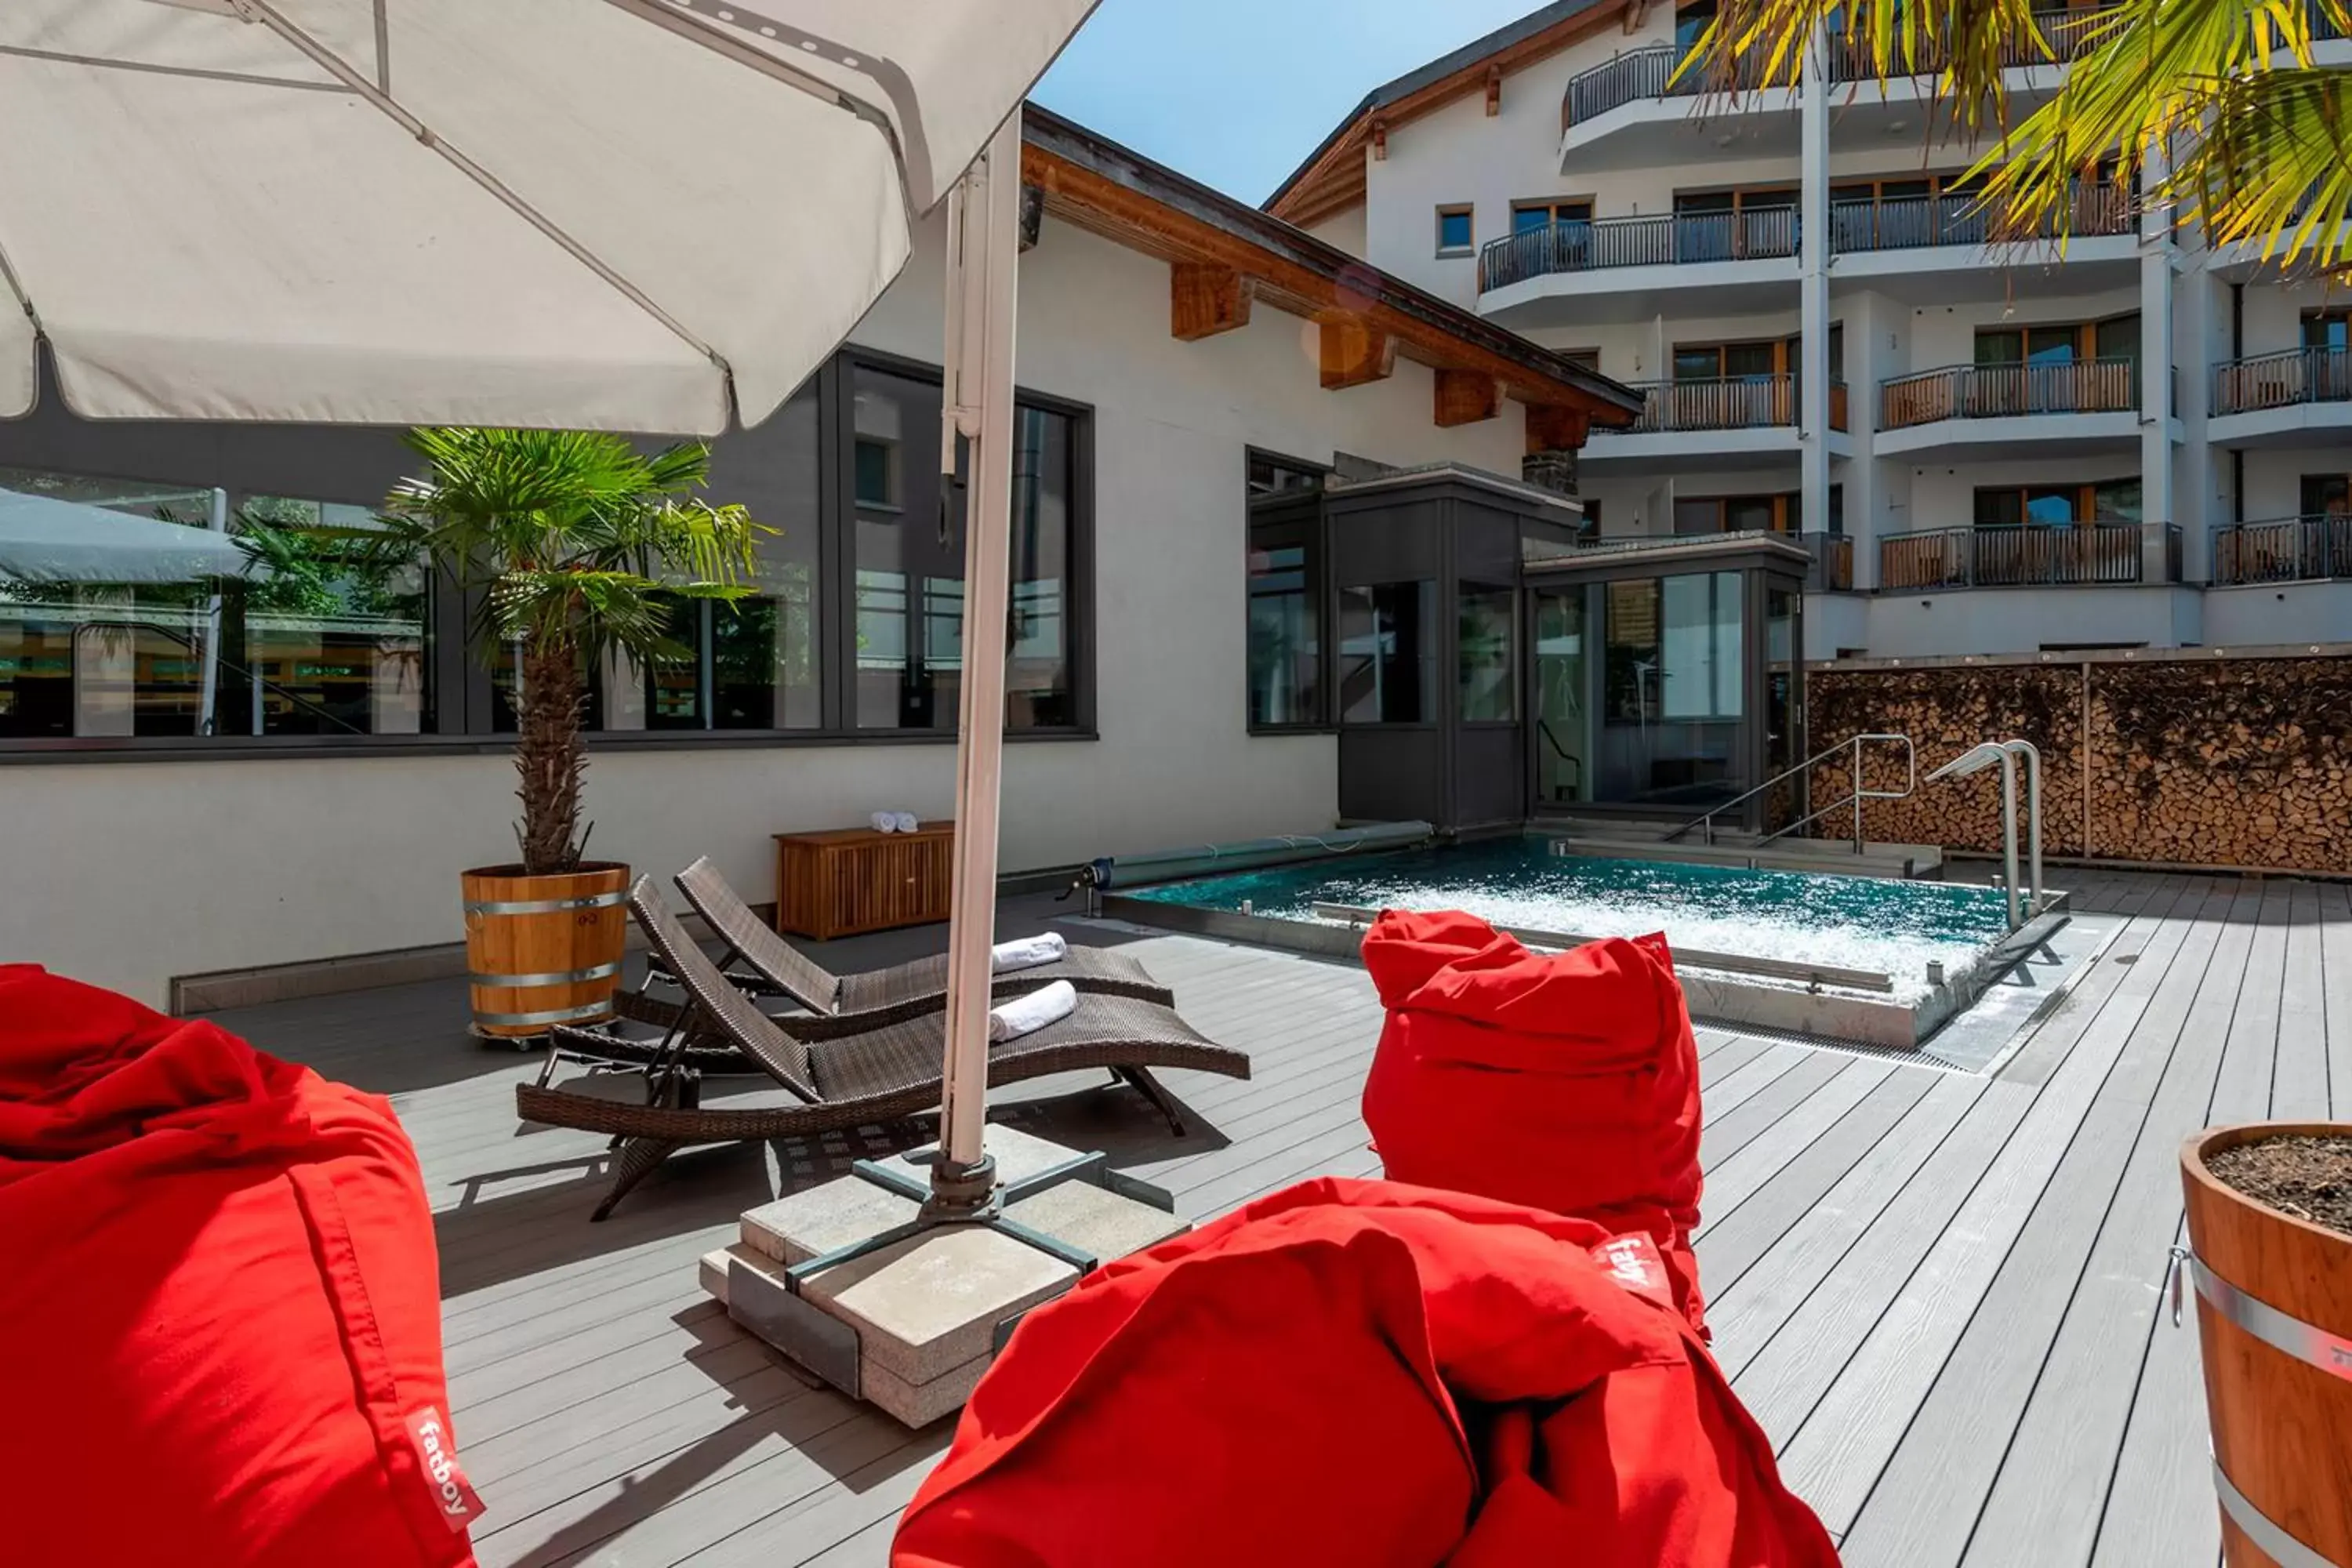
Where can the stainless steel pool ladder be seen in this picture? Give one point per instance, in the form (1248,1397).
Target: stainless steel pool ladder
(1853,744)
(1981,756)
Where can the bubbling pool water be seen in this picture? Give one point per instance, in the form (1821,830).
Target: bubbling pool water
(1897,928)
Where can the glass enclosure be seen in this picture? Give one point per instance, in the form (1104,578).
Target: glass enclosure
(1670,691)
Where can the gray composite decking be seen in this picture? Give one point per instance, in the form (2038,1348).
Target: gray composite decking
(1940,1294)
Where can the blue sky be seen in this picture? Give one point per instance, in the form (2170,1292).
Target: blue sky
(1236,92)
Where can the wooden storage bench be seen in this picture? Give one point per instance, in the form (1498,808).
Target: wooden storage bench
(856,879)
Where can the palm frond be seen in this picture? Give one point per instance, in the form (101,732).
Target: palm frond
(2213,107)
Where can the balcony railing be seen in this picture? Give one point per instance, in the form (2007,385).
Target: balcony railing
(2283,380)
(1650,72)
(1832,566)
(2065,30)
(2284,550)
(2014,555)
(1644,73)
(1730,402)
(1665,240)
(1998,390)
(1912,223)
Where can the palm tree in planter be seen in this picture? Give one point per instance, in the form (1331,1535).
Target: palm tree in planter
(580,546)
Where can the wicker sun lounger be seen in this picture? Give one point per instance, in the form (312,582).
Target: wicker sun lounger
(763,964)
(882,1074)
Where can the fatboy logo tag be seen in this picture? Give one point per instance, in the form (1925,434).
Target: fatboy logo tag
(438,1455)
(1633,1262)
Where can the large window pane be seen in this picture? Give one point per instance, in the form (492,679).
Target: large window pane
(1386,657)
(1484,651)
(901,684)
(1562,724)
(1700,645)
(908,583)
(1672,683)
(1285,636)
(1039,693)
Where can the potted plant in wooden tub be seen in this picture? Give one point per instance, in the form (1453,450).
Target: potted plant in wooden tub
(580,545)
(2270,1254)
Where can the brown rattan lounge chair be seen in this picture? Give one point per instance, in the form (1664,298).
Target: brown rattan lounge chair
(881,1074)
(763,964)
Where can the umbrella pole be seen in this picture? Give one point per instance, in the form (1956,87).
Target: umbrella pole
(984,223)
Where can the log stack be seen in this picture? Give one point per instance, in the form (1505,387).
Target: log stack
(2191,760)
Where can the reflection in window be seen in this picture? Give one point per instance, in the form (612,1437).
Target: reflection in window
(1385,654)
(908,581)
(751,663)
(201,613)
(1700,645)
(1672,685)
(1485,649)
(1284,633)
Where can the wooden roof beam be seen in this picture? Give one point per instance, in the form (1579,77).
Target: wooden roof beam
(1465,397)
(1204,298)
(1354,352)
(1553,427)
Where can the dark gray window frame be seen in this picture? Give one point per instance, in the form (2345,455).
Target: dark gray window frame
(462,693)
(1316,531)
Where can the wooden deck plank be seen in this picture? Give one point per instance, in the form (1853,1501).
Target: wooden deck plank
(2159,1506)
(1734,1235)
(1837,1452)
(2054,1477)
(2335,963)
(1782,1367)
(1927,1502)
(1728,1132)
(1946,1267)
(2299,1075)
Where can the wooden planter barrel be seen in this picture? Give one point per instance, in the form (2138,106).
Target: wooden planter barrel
(2281,1418)
(544,950)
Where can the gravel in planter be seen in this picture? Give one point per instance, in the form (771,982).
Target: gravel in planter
(2310,1178)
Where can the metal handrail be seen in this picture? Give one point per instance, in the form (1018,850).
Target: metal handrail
(1985,754)
(1853,742)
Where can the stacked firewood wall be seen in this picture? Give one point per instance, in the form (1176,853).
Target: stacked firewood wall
(1945,711)
(2190,760)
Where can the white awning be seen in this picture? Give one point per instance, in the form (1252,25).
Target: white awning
(643,215)
(44,540)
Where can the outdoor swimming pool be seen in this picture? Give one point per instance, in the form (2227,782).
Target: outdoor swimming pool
(1895,928)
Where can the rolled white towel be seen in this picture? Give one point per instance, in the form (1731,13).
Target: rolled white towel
(1028,952)
(905,821)
(1046,1005)
(885,821)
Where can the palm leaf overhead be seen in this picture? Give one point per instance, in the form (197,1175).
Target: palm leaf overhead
(2213,107)
(580,546)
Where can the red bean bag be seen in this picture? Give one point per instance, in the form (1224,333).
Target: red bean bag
(220,1332)
(1366,1374)
(1563,1081)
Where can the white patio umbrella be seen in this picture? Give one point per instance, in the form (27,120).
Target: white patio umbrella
(631,214)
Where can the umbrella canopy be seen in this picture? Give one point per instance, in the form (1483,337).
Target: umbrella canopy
(48,541)
(640,215)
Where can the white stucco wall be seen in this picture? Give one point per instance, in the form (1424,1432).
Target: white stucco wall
(129,874)
(2274,478)
(1344,228)
(2022,620)
(2265,615)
